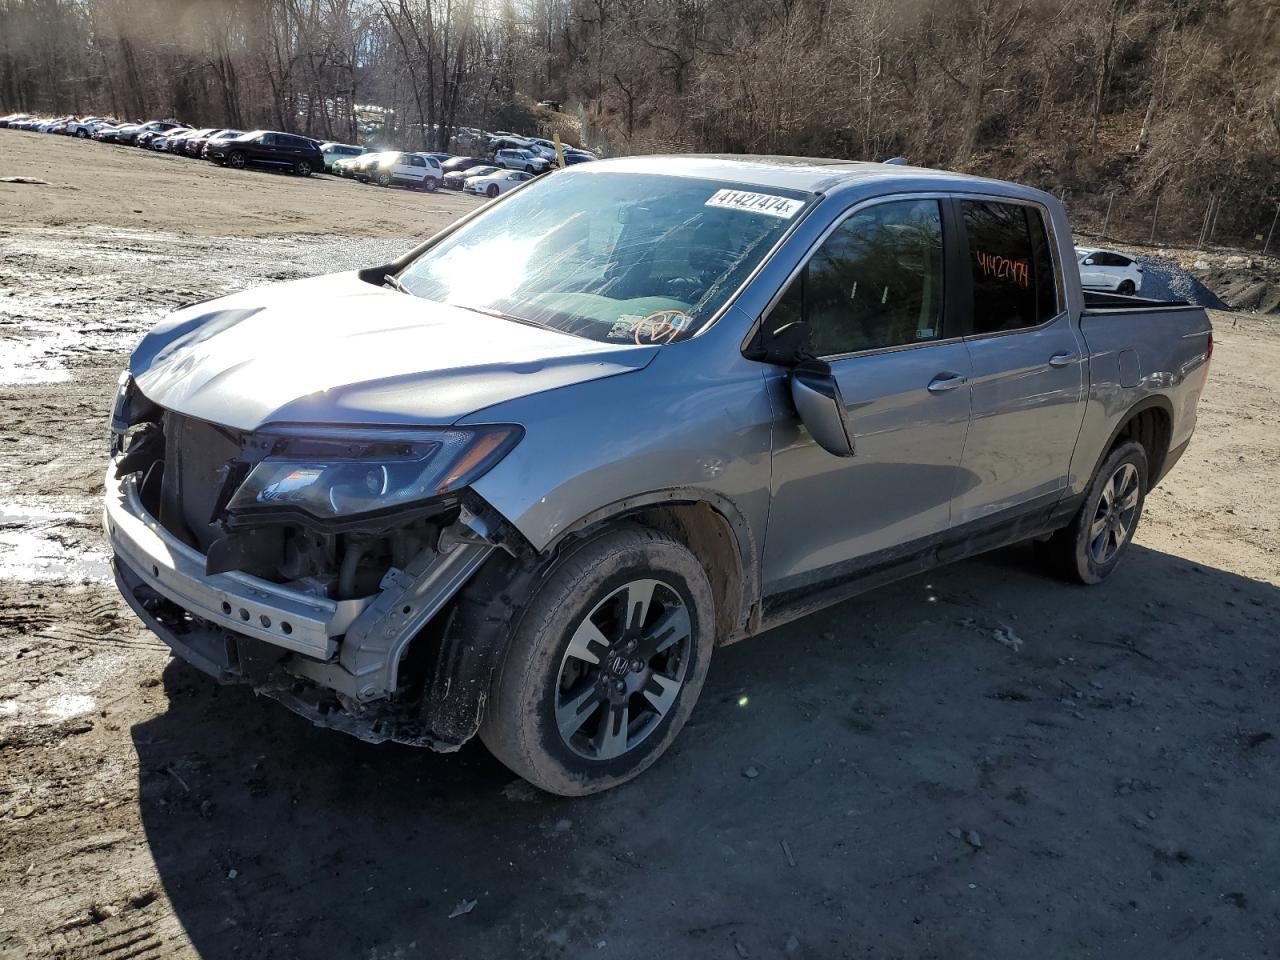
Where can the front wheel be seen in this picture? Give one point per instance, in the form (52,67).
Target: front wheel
(236,161)
(604,663)
(491,191)
(1090,547)
(302,168)
(82,134)
(385,180)
(430,184)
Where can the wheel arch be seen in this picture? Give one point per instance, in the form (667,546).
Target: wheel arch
(713,529)
(1150,423)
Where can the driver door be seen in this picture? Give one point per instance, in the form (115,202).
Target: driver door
(873,298)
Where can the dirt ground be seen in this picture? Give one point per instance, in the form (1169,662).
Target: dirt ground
(979,763)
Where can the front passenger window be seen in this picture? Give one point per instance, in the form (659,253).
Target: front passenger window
(875,282)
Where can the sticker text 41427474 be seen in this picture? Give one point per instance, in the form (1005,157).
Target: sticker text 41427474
(770,204)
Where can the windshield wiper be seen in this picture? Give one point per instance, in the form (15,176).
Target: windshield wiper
(508,316)
(392,281)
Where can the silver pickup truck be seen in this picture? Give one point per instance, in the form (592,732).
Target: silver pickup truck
(522,481)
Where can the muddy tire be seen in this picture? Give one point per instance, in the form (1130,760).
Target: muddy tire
(1090,547)
(604,664)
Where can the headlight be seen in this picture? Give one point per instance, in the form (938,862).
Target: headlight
(344,475)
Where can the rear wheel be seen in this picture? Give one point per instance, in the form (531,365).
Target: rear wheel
(236,161)
(302,168)
(1090,547)
(429,184)
(82,134)
(604,663)
(1126,288)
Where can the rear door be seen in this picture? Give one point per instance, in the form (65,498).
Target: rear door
(875,302)
(1026,355)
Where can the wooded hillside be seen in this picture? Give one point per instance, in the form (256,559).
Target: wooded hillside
(1144,99)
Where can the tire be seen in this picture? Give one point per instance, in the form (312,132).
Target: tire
(491,190)
(236,160)
(1127,288)
(430,184)
(626,717)
(82,134)
(1091,545)
(384,180)
(302,168)
(528,168)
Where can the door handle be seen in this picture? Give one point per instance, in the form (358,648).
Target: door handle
(1062,360)
(946,381)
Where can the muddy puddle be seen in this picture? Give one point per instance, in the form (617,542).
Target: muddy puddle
(39,543)
(70,298)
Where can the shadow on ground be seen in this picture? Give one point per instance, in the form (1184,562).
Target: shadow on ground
(978,763)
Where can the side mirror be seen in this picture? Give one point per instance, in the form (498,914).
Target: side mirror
(1089,262)
(816,394)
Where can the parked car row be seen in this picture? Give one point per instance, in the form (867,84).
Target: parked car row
(510,159)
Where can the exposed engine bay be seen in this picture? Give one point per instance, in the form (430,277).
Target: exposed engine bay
(269,519)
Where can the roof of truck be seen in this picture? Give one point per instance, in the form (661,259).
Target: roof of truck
(810,174)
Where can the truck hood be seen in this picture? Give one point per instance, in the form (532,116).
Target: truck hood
(337,350)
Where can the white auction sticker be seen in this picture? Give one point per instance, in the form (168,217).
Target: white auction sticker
(766,203)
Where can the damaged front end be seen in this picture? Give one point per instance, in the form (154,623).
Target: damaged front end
(306,561)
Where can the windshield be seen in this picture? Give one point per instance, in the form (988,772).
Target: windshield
(614,257)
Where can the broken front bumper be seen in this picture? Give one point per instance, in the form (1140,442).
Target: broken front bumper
(286,618)
(353,647)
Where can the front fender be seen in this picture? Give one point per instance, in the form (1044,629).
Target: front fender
(684,429)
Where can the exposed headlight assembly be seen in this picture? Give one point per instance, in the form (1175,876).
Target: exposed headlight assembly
(339,475)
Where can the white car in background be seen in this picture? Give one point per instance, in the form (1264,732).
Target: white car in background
(495,183)
(1108,270)
(415,170)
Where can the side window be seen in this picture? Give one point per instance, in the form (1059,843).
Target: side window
(875,282)
(417,161)
(1012,269)
(267,140)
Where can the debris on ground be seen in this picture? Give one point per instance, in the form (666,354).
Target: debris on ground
(1006,637)
(461,908)
(786,849)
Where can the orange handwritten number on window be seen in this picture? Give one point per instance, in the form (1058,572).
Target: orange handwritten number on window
(1002,268)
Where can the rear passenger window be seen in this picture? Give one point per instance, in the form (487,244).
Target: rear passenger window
(875,282)
(1012,270)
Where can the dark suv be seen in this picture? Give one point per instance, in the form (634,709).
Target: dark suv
(267,148)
